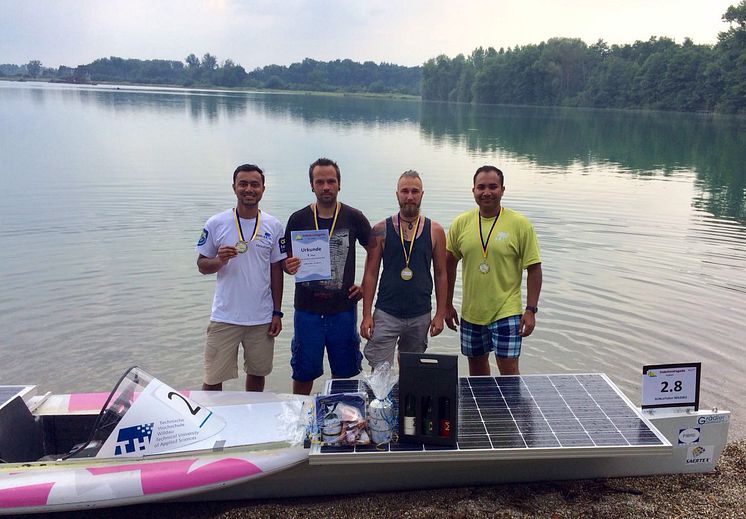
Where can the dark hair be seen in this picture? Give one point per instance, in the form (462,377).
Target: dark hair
(323,162)
(488,168)
(410,173)
(248,168)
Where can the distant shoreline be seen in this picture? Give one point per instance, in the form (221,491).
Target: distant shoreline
(218,88)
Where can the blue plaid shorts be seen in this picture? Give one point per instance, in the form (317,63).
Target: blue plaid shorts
(500,336)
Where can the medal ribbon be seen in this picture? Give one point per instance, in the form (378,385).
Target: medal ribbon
(407,255)
(237,221)
(481,239)
(334,222)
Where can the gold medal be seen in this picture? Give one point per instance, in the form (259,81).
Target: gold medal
(484,268)
(242,245)
(406,273)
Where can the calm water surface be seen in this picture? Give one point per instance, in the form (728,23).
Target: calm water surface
(641,219)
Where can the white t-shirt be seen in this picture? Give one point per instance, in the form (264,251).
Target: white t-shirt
(242,291)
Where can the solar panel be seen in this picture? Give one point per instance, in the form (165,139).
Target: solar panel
(527,416)
(8,393)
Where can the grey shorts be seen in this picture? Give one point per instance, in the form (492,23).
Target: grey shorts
(221,351)
(410,334)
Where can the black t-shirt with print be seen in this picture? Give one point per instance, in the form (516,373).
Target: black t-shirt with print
(330,296)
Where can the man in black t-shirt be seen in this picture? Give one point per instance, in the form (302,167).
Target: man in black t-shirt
(326,311)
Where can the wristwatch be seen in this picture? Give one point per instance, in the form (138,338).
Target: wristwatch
(532,309)
(278,313)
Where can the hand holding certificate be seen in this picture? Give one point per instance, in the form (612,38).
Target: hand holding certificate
(312,247)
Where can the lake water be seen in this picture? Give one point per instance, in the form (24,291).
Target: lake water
(641,218)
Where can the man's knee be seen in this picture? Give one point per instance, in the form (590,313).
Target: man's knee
(508,366)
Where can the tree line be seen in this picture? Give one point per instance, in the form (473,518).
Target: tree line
(332,76)
(658,73)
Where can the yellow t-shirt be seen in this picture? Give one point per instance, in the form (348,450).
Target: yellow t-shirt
(512,247)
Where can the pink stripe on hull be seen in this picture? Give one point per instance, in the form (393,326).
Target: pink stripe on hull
(168,476)
(29,495)
(94,401)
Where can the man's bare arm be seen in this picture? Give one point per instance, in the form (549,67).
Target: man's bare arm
(440,270)
(370,276)
(211,265)
(451,316)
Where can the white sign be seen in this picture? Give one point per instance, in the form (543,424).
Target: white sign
(670,385)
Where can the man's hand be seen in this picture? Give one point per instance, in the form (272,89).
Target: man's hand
(291,264)
(451,317)
(275,327)
(436,325)
(366,328)
(225,253)
(355,293)
(527,324)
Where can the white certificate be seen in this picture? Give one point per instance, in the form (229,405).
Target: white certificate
(312,247)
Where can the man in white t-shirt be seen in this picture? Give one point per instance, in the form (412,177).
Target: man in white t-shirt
(245,247)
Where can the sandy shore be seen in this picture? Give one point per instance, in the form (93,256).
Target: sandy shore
(721,494)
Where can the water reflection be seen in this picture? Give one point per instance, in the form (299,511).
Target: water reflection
(642,143)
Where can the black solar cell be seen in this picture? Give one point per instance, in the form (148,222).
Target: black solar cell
(8,393)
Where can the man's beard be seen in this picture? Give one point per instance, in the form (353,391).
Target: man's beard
(409,210)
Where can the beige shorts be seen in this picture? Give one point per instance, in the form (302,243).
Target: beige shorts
(221,351)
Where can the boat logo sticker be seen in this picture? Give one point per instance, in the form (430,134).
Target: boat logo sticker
(689,436)
(203,238)
(718,418)
(133,439)
(699,454)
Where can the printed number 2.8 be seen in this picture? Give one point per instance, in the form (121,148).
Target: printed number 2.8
(676,387)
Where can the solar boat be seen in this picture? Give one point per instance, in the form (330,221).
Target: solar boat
(145,442)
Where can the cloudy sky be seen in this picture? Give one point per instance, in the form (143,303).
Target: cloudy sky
(260,32)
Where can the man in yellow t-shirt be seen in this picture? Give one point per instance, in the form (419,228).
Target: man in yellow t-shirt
(496,245)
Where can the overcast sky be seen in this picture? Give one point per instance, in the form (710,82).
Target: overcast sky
(263,32)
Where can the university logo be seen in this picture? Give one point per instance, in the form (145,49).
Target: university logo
(133,439)
(203,238)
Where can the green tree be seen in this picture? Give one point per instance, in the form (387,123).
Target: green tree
(209,62)
(33,68)
(192,62)
(732,48)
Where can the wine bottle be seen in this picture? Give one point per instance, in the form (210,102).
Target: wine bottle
(444,431)
(409,415)
(428,427)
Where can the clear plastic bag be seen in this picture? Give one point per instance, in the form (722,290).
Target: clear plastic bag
(382,419)
(341,419)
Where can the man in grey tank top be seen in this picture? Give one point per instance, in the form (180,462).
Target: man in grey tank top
(408,244)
